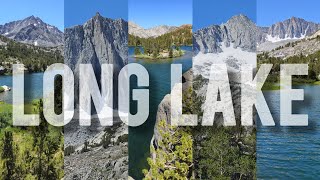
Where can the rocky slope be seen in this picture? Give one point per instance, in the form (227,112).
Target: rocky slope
(238,32)
(314,35)
(139,31)
(104,156)
(305,46)
(232,43)
(33,30)
(100,40)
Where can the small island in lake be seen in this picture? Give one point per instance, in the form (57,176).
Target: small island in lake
(161,46)
(164,54)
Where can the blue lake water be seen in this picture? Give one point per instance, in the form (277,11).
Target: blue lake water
(33,87)
(291,152)
(140,137)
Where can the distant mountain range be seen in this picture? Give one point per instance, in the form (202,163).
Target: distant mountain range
(32,30)
(293,28)
(139,31)
(241,32)
(281,33)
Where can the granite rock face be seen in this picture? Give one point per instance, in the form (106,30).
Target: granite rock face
(287,31)
(241,32)
(238,32)
(33,30)
(96,152)
(99,41)
(293,28)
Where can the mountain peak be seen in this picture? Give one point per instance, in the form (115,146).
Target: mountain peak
(240,17)
(295,18)
(33,18)
(98,14)
(29,29)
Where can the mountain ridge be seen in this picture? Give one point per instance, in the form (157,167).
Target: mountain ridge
(238,31)
(242,32)
(137,30)
(32,30)
(286,31)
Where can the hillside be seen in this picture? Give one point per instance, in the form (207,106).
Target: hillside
(305,51)
(315,35)
(30,152)
(34,58)
(305,47)
(180,36)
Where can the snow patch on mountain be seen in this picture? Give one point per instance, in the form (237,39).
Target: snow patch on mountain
(232,57)
(276,39)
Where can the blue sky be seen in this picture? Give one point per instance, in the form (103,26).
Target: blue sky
(272,11)
(50,11)
(150,13)
(79,11)
(209,12)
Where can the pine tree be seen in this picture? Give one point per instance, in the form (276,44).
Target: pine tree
(137,50)
(170,53)
(8,156)
(173,156)
(40,138)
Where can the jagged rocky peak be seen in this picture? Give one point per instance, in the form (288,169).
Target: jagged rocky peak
(32,30)
(242,32)
(239,32)
(293,28)
(100,40)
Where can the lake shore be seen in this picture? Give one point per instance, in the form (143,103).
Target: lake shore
(276,85)
(164,55)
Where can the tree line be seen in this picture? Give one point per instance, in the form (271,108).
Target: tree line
(152,46)
(35,59)
(312,60)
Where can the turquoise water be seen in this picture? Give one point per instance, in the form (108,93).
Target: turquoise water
(140,137)
(33,87)
(291,152)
